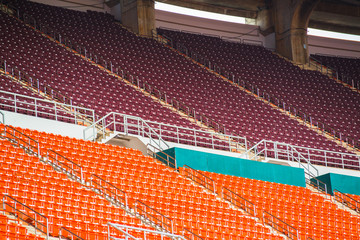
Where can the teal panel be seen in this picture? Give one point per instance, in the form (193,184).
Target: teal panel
(342,183)
(194,159)
(240,167)
(327,180)
(162,157)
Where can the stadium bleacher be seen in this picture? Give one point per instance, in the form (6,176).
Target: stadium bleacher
(165,70)
(309,212)
(12,230)
(158,197)
(311,92)
(68,203)
(85,84)
(346,68)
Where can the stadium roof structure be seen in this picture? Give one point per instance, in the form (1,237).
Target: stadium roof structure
(332,15)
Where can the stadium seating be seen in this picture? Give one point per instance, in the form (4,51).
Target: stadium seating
(10,229)
(18,99)
(65,202)
(356,197)
(84,83)
(142,178)
(179,78)
(307,211)
(347,68)
(308,91)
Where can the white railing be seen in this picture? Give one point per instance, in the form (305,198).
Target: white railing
(35,84)
(38,107)
(26,214)
(330,158)
(308,156)
(160,132)
(126,124)
(291,110)
(125,232)
(281,151)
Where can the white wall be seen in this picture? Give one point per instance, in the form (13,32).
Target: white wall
(44,125)
(211,27)
(333,46)
(216,27)
(93,5)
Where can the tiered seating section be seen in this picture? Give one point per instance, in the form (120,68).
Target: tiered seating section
(25,105)
(307,211)
(84,83)
(10,229)
(308,91)
(66,203)
(346,67)
(178,78)
(356,197)
(69,204)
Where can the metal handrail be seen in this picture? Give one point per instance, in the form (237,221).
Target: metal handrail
(178,105)
(110,121)
(70,235)
(128,124)
(120,227)
(336,72)
(280,225)
(300,157)
(41,88)
(154,216)
(2,117)
(320,186)
(105,64)
(192,236)
(199,178)
(159,155)
(35,83)
(108,190)
(287,152)
(239,201)
(39,107)
(347,200)
(41,222)
(22,139)
(65,165)
(8,7)
(282,151)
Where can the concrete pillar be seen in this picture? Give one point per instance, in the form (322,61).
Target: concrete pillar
(138,15)
(291,20)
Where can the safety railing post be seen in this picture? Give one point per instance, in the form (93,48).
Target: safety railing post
(15,107)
